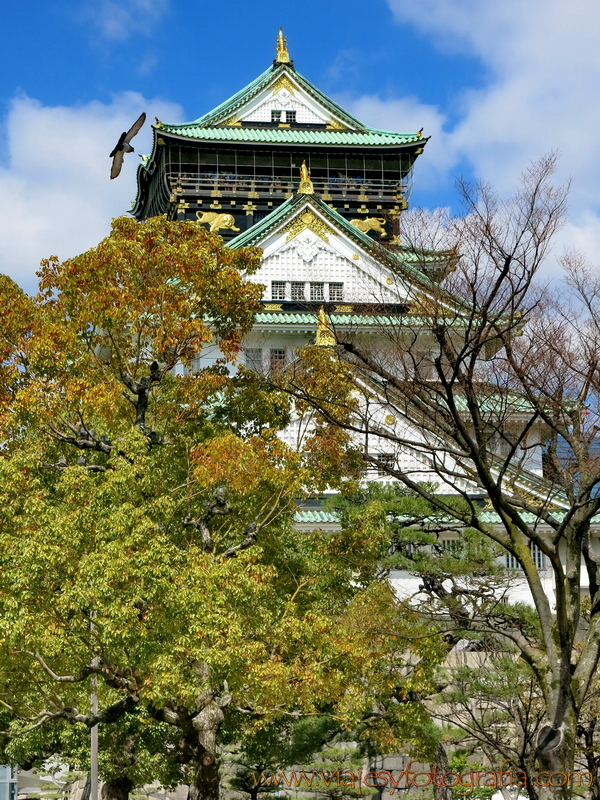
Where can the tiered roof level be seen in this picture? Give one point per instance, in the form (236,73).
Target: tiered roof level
(243,159)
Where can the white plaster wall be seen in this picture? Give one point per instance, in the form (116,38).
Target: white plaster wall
(283,101)
(308,258)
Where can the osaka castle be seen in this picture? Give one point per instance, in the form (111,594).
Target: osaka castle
(282,167)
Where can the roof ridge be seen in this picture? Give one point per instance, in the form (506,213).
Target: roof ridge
(227,105)
(272,74)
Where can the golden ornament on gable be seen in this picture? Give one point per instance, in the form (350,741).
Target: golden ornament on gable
(283,82)
(308,220)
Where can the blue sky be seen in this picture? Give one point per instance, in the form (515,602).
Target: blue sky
(495,84)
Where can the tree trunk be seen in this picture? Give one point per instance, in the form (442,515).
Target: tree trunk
(205,784)
(206,776)
(591,759)
(557,764)
(117,788)
(440,791)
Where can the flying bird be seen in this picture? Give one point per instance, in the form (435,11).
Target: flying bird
(123,146)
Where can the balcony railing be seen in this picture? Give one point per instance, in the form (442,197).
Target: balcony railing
(223,183)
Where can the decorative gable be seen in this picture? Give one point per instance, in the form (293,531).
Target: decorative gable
(310,249)
(285,95)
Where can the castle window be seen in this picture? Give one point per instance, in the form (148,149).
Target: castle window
(298,291)
(275,116)
(316,291)
(538,557)
(336,292)
(277,290)
(385,461)
(290,116)
(254,358)
(453,546)
(276,359)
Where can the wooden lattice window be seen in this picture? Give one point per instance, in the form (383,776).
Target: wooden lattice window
(278,290)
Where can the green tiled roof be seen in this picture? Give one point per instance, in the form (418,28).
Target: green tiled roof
(258,84)
(210,127)
(290,135)
(498,402)
(302,318)
(316,516)
(486,516)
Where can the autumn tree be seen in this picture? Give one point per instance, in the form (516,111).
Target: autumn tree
(146,510)
(490,383)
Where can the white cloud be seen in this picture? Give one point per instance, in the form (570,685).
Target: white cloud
(118,20)
(56,197)
(408,115)
(542,64)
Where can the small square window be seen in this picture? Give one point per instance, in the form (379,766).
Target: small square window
(290,116)
(277,359)
(538,557)
(275,116)
(316,291)
(277,290)
(453,546)
(254,358)
(386,461)
(298,291)
(336,292)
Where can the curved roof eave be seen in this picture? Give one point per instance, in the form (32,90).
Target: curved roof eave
(294,137)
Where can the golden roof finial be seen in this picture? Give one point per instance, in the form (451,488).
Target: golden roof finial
(283,57)
(306,185)
(325,334)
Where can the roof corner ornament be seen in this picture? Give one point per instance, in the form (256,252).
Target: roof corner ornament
(325,334)
(306,185)
(283,57)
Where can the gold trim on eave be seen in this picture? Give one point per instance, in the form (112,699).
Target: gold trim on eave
(325,334)
(283,57)
(308,219)
(335,125)
(232,122)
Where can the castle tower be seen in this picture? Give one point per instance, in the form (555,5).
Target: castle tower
(243,159)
